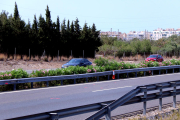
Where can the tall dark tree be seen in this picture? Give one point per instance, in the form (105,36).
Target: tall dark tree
(42,33)
(58,25)
(68,26)
(77,28)
(48,18)
(95,38)
(16,12)
(84,37)
(35,25)
(77,34)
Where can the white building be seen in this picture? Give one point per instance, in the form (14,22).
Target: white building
(164,33)
(139,35)
(112,34)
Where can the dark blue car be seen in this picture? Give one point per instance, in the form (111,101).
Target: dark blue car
(77,61)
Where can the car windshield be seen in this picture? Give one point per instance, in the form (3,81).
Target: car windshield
(152,56)
(75,61)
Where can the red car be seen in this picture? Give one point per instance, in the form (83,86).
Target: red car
(155,57)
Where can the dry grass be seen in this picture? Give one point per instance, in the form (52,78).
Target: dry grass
(49,58)
(10,57)
(18,57)
(55,58)
(64,58)
(2,56)
(25,57)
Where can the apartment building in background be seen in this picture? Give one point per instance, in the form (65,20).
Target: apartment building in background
(164,33)
(138,34)
(154,35)
(119,35)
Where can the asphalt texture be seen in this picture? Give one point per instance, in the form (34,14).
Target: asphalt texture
(32,101)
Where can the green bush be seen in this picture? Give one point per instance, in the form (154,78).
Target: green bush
(101,61)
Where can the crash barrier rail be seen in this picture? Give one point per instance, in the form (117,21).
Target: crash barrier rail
(106,107)
(87,75)
(106,111)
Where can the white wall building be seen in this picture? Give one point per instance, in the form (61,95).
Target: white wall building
(164,33)
(138,34)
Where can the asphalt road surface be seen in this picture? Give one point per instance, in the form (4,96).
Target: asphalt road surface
(32,101)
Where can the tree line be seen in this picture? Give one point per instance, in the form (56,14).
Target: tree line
(164,46)
(43,34)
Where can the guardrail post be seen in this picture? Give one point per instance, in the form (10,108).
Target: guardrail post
(108,111)
(166,71)
(97,78)
(135,74)
(159,72)
(31,84)
(53,116)
(86,79)
(74,81)
(127,75)
(173,84)
(14,88)
(47,83)
(117,76)
(173,70)
(152,72)
(144,89)
(108,115)
(160,97)
(61,82)
(108,77)
(179,69)
(144,73)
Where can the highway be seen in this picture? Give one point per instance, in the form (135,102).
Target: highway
(32,101)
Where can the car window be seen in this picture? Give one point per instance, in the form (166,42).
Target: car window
(83,61)
(152,56)
(75,61)
(86,60)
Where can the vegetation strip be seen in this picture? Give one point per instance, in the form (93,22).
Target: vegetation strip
(101,66)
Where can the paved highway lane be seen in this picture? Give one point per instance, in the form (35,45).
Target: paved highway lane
(25,102)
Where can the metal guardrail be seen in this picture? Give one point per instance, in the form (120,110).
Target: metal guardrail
(87,75)
(106,111)
(106,107)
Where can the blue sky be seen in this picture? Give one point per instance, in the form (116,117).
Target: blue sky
(125,15)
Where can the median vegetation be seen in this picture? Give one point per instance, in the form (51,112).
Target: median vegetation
(101,66)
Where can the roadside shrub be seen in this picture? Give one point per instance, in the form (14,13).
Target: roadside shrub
(101,61)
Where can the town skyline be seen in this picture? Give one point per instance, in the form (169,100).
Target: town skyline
(152,35)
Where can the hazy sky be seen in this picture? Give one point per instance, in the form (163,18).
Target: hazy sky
(125,15)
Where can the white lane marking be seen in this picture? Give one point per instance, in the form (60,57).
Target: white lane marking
(88,83)
(111,88)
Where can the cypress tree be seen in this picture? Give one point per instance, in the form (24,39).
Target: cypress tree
(72,28)
(42,34)
(84,37)
(68,26)
(35,24)
(16,12)
(58,25)
(48,18)
(95,37)
(77,36)
(77,28)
